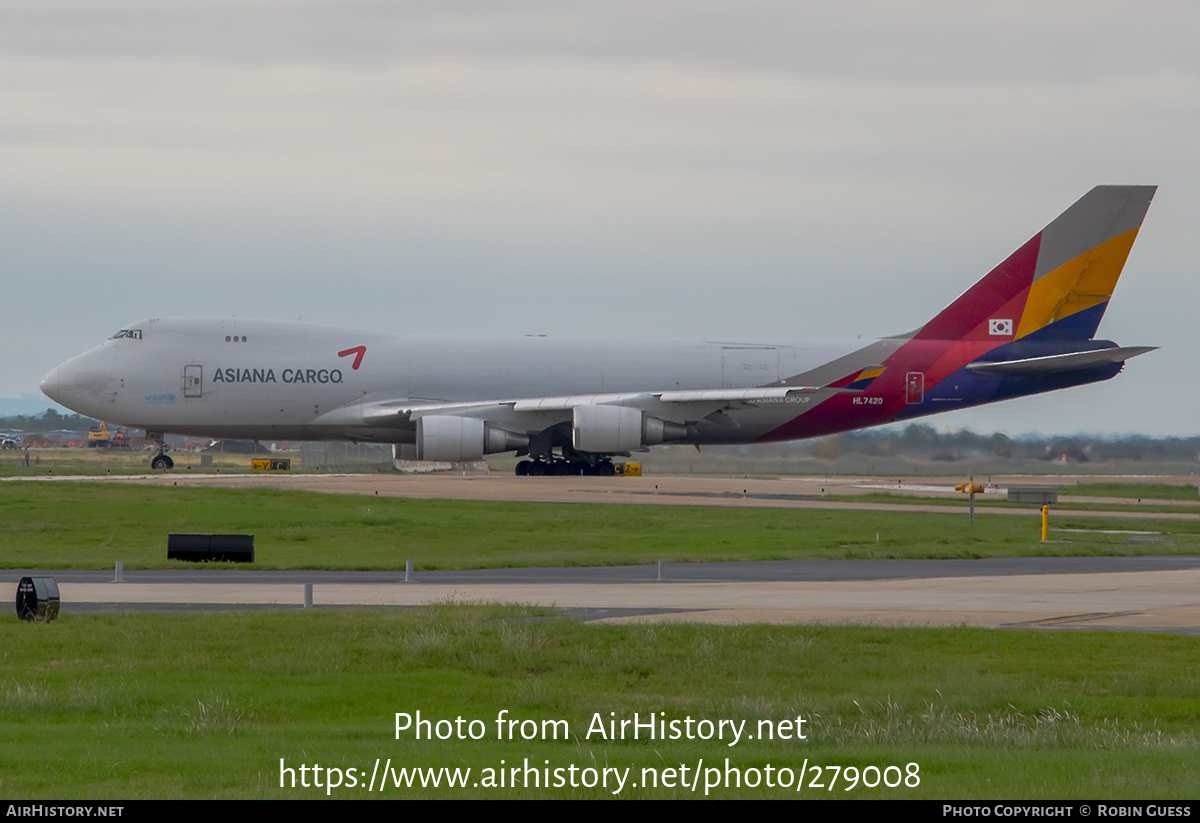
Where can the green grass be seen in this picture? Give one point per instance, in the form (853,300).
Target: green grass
(1141,491)
(198,706)
(91,525)
(992,502)
(124,705)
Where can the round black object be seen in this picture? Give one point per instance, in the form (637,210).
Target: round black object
(37,598)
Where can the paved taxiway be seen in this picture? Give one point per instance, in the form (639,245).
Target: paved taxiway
(1133,593)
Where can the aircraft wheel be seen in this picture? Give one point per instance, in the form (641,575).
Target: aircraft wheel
(161,462)
(537,468)
(523,468)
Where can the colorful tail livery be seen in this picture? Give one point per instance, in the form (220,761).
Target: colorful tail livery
(1025,328)
(571,405)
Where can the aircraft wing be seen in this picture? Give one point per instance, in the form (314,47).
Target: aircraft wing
(678,405)
(605,423)
(600,424)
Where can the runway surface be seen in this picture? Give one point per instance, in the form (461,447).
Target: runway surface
(1128,593)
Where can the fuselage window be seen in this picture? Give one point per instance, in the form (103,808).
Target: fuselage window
(130,334)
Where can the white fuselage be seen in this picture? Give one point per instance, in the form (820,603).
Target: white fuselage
(268,379)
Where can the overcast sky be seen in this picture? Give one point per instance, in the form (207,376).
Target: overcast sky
(749,170)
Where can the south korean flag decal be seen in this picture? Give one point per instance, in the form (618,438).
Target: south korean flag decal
(1000,327)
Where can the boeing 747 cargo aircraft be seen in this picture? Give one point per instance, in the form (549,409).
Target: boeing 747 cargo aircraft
(571,405)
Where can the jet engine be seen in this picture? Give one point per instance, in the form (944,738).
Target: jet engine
(611,429)
(449,439)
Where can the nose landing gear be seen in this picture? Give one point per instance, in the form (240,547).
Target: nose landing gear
(160,461)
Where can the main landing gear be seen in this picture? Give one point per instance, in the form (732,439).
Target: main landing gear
(565,468)
(160,461)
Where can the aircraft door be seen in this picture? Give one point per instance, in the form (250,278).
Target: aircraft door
(193,383)
(914,387)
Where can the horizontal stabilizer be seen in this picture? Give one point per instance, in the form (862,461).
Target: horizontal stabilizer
(1074,361)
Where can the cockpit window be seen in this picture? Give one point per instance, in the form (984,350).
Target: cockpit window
(132,334)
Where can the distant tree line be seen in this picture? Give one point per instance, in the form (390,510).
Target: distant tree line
(923,439)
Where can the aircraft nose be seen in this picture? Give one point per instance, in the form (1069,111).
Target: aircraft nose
(79,383)
(49,385)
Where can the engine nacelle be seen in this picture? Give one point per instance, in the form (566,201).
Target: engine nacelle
(609,429)
(448,439)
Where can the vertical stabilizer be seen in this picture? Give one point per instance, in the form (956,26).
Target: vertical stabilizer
(1058,284)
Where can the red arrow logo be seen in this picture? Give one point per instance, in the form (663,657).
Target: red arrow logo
(358,352)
